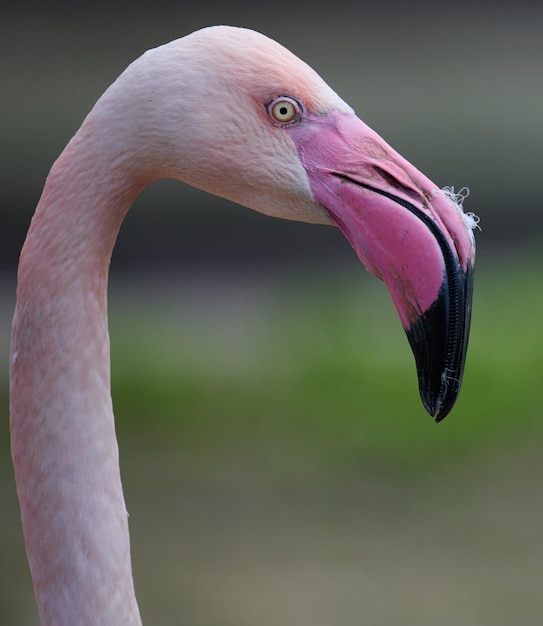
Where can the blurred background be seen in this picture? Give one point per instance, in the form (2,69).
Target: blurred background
(278,465)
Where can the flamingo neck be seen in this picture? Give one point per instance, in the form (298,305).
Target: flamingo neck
(62,427)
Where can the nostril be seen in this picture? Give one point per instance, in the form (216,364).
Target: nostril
(413,194)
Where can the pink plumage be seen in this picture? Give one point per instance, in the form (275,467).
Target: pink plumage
(234,113)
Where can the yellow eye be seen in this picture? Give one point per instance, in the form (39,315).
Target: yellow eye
(285,110)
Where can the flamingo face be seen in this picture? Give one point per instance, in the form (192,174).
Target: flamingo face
(296,150)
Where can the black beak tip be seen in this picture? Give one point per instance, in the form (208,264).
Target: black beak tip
(439,339)
(439,407)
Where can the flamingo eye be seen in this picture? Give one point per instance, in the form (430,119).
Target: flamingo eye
(285,110)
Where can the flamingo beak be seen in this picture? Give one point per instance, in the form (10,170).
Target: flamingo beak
(407,232)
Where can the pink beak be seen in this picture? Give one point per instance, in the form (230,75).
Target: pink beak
(407,232)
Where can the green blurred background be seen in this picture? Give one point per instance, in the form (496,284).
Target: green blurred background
(278,465)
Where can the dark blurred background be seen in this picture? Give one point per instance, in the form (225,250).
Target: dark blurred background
(277,462)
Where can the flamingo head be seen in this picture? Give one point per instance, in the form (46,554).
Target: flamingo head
(242,117)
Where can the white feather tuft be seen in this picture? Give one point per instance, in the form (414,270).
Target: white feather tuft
(471,220)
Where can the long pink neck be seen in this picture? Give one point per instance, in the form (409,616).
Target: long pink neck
(62,429)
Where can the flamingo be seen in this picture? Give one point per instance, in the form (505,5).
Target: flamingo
(232,112)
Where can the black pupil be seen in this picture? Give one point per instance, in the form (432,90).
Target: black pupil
(283,111)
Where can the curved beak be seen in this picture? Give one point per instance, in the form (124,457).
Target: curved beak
(407,232)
